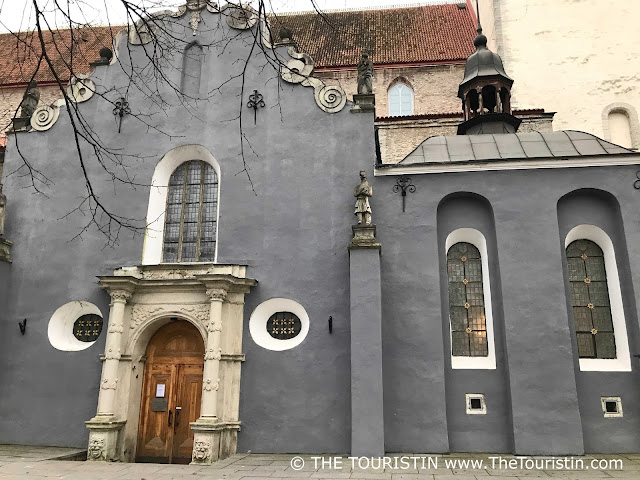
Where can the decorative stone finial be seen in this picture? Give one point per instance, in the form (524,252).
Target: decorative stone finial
(365,75)
(362,193)
(285,35)
(106,54)
(30,100)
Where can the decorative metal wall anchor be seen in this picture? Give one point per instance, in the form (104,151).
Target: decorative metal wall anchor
(23,326)
(255,102)
(404,185)
(121,109)
(636,184)
(331,324)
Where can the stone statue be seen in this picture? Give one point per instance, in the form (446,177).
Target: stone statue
(362,193)
(30,100)
(3,208)
(365,75)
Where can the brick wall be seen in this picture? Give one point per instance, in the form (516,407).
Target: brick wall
(399,139)
(10,98)
(435,86)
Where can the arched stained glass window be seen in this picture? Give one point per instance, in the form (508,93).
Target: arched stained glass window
(590,300)
(466,301)
(191,216)
(400,100)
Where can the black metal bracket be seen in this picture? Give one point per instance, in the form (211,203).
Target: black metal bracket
(255,102)
(121,109)
(23,326)
(330,324)
(404,185)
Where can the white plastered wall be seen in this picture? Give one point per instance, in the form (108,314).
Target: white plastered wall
(153,239)
(474,237)
(622,362)
(566,56)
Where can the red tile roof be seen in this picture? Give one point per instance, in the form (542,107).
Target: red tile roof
(398,35)
(21,52)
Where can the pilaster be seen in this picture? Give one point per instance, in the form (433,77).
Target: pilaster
(104,427)
(367,421)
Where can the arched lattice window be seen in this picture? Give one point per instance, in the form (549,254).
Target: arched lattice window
(190,224)
(590,300)
(466,301)
(400,100)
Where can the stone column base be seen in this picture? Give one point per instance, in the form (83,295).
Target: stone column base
(5,250)
(364,236)
(363,103)
(103,439)
(213,441)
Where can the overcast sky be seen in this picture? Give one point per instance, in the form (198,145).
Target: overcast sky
(18,14)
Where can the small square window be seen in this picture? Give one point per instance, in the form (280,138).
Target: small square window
(611,406)
(476,404)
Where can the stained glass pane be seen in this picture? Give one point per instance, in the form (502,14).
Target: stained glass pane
(190,232)
(478,344)
(473,270)
(188,252)
(576,269)
(458,316)
(579,294)
(586,347)
(460,344)
(476,318)
(456,270)
(595,269)
(602,319)
(605,345)
(456,294)
(474,293)
(178,176)
(599,293)
(582,317)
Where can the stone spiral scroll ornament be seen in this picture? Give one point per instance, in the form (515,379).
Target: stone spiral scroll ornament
(81,88)
(330,98)
(45,117)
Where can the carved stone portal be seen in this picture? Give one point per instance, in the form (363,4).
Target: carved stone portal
(209,296)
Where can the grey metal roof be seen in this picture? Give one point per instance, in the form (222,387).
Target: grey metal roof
(510,146)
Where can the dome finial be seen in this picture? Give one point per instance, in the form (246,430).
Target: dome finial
(480,40)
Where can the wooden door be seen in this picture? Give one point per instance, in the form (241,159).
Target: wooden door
(171,394)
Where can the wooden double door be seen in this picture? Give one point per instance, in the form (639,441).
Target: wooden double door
(171,394)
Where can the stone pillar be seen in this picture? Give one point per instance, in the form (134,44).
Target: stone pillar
(207,428)
(367,421)
(104,427)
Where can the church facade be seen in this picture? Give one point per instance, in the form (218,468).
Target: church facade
(482,299)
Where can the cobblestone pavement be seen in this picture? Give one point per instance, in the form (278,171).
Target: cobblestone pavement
(32,466)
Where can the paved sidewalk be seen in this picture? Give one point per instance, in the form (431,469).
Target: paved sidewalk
(275,467)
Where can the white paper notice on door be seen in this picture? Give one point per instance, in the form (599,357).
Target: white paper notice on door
(160,390)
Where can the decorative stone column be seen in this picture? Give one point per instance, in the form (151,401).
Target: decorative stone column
(367,421)
(104,427)
(207,428)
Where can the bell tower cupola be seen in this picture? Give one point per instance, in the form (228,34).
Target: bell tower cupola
(485,92)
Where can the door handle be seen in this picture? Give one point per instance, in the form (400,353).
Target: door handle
(169,421)
(175,423)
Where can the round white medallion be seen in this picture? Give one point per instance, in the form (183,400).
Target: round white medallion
(264,311)
(61,325)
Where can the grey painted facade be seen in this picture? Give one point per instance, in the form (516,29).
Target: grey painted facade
(292,230)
